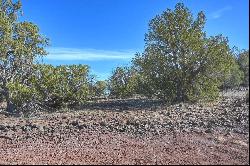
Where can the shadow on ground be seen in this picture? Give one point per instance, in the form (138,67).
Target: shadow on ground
(123,105)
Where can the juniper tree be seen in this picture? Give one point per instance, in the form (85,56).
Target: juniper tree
(123,82)
(180,62)
(20,45)
(243,61)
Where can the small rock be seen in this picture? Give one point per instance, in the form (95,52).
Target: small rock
(3,128)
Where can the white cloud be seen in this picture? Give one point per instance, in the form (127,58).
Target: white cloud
(217,14)
(57,53)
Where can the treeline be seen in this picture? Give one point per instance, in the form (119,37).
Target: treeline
(128,81)
(56,87)
(179,63)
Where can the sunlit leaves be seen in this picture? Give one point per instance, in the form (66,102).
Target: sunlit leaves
(62,85)
(243,61)
(123,82)
(20,45)
(179,62)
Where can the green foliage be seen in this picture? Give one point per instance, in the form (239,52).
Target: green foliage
(51,87)
(123,82)
(179,62)
(234,78)
(20,45)
(23,96)
(100,88)
(243,61)
(62,85)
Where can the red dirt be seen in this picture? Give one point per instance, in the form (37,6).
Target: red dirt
(89,147)
(107,134)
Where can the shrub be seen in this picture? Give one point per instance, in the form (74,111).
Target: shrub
(179,62)
(234,78)
(62,85)
(20,45)
(123,83)
(243,61)
(100,88)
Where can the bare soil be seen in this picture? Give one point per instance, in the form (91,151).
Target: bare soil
(131,132)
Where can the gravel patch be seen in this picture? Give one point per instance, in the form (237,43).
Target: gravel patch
(215,133)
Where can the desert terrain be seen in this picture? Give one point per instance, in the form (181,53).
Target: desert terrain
(136,131)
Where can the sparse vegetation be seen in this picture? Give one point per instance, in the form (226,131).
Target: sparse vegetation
(243,61)
(62,85)
(179,63)
(123,82)
(101,88)
(166,102)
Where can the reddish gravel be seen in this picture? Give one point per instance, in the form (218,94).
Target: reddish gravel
(110,148)
(104,134)
(93,147)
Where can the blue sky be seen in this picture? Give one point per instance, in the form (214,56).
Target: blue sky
(107,33)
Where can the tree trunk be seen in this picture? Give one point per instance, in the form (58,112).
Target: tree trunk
(10,105)
(179,94)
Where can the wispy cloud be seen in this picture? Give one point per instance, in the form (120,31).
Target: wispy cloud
(57,53)
(218,13)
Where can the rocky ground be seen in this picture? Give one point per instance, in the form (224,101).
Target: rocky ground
(131,132)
